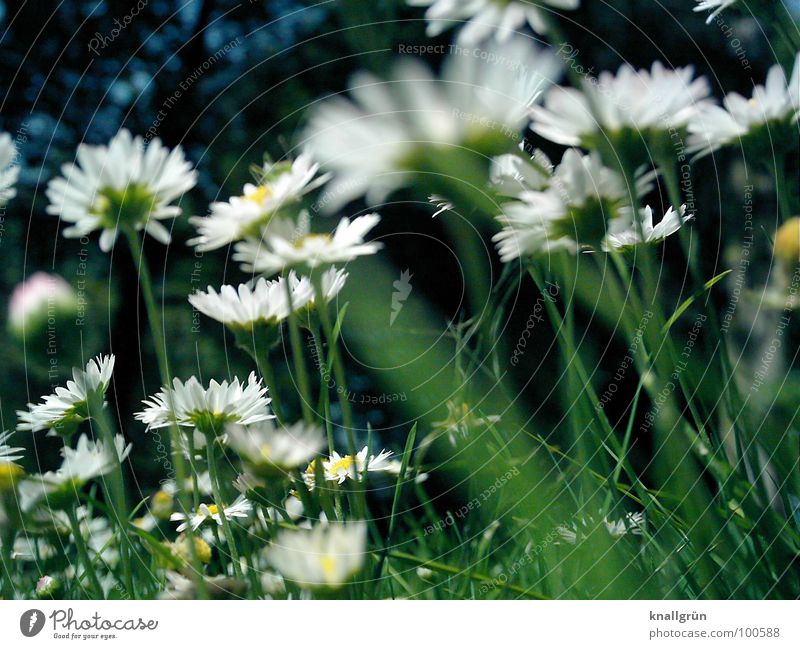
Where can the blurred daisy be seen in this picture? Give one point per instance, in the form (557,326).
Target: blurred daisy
(120,186)
(9,172)
(389,130)
(281,185)
(486,17)
(572,213)
(632,523)
(461,420)
(512,175)
(271,450)
(88,460)
(326,556)
(63,411)
(717,6)
(208,409)
(769,116)
(275,252)
(240,508)
(630,103)
(338,468)
(631,236)
(37,298)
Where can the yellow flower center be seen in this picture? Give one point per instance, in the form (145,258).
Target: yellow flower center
(310,238)
(9,474)
(328,566)
(266,451)
(259,194)
(342,465)
(213,509)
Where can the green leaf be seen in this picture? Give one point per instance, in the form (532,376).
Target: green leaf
(682,308)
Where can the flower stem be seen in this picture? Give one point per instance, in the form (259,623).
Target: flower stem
(155,322)
(338,366)
(6,564)
(215,489)
(324,394)
(83,553)
(782,190)
(117,488)
(297,357)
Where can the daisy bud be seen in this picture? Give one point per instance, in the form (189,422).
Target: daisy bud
(38,302)
(47,586)
(424,573)
(161,504)
(180,548)
(787,242)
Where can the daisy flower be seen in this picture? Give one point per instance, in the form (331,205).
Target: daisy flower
(272,450)
(389,130)
(573,212)
(208,409)
(486,17)
(9,172)
(281,185)
(338,468)
(63,411)
(240,508)
(123,185)
(630,103)
(717,7)
(276,251)
(326,556)
(37,297)
(265,302)
(769,117)
(88,460)
(250,305)
(632,236)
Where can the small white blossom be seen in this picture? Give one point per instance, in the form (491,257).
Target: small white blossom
(264,302)
(573,211)
(240,508)
(282,185)
(275,251)
(189,404)
(326,556)
(122,185)
(638,101)
(775,104)
(9,171)
(717,7)
(271,449)
(631,236)
(69,406)
(338,468)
